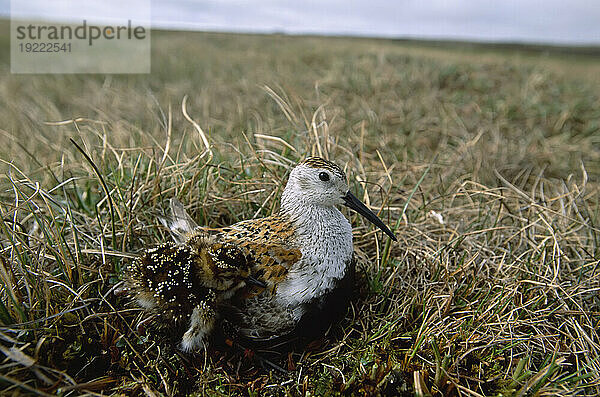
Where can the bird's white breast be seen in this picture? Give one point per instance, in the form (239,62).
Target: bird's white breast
(324,236)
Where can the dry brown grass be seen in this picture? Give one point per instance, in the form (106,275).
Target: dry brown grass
(488,171)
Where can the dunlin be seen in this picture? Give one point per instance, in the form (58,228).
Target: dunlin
(266,277)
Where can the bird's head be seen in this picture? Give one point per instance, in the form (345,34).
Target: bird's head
(317,181)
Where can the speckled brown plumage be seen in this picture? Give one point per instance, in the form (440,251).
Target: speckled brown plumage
(269,242)
(189,282)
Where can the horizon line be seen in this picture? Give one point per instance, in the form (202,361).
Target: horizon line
(456,38)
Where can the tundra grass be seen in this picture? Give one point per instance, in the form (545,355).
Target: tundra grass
(486,167)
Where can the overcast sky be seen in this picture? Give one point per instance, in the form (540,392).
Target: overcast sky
(542,21)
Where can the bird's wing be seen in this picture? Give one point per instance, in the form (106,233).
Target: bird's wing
(267,243)
(179,223)
(263,246)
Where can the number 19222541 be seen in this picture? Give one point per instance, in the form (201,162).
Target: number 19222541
(45,47)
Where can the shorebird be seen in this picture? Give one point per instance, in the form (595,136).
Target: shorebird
(266,277)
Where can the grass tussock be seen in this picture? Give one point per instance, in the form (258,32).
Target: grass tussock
(486,171)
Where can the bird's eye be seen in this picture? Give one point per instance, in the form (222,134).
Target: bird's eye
(324,176)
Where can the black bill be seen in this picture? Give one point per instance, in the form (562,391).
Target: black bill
(351,201)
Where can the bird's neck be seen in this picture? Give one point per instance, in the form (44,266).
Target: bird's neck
(323,228)
(324,237)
